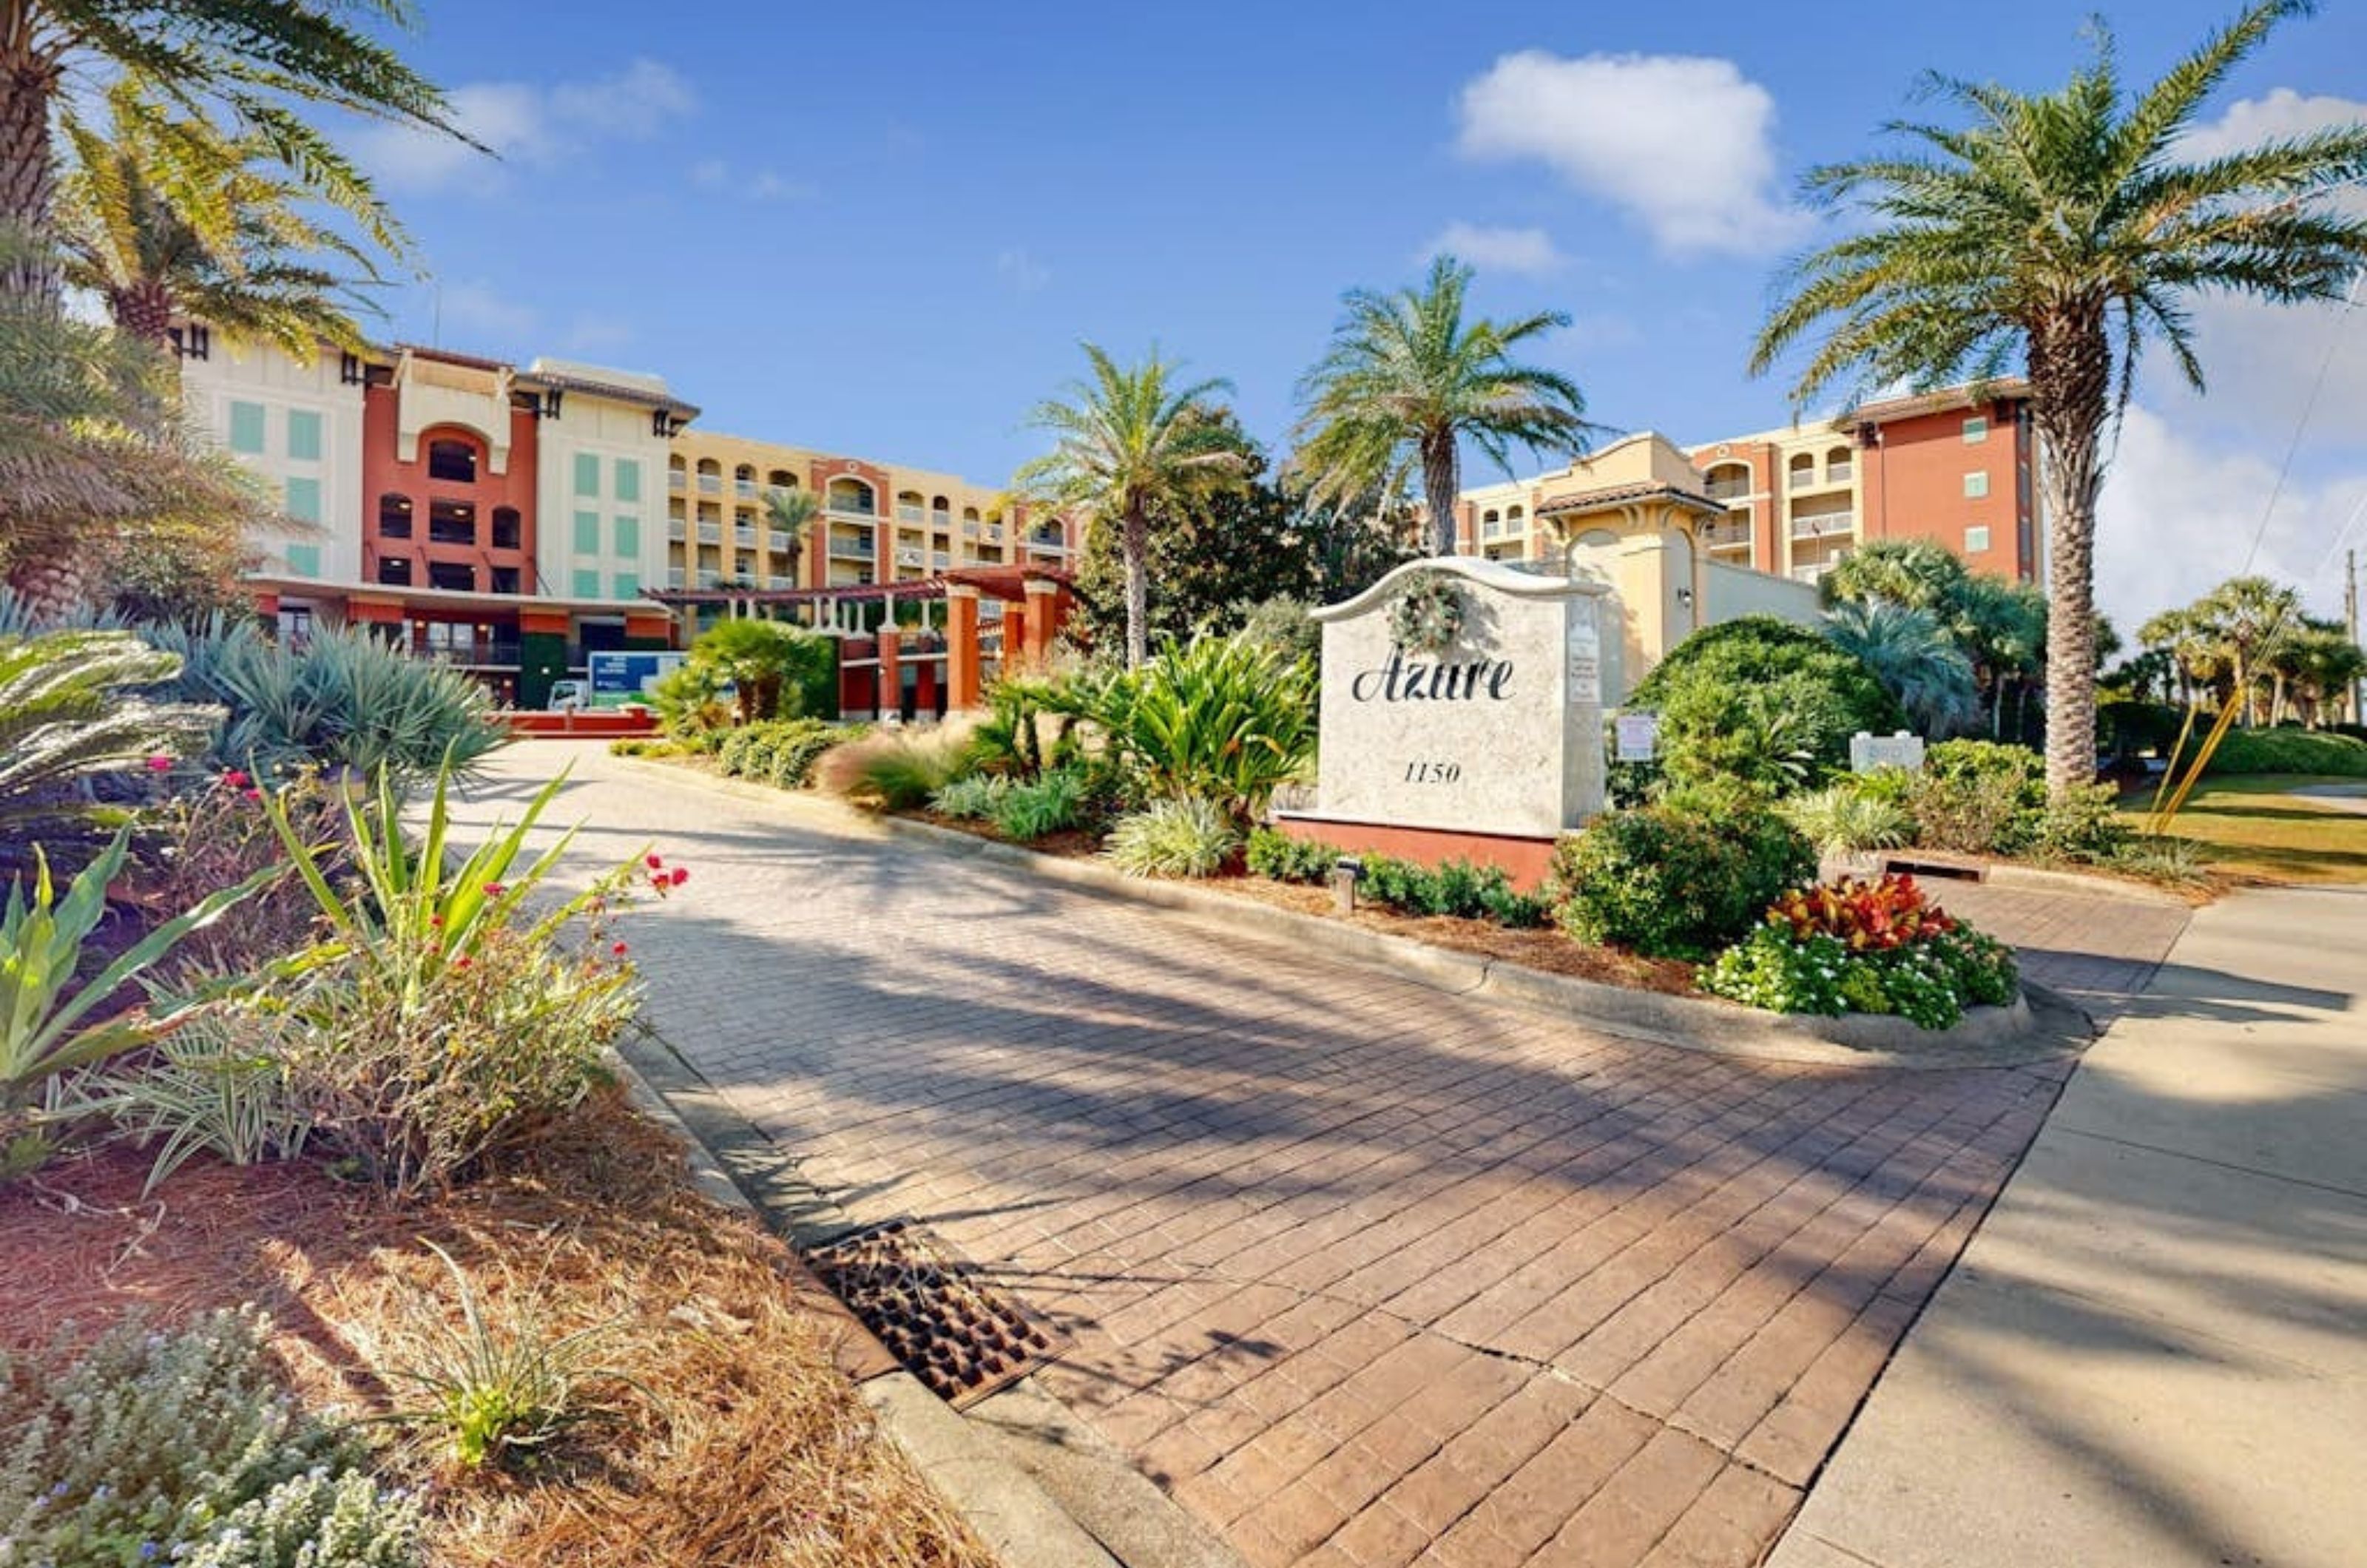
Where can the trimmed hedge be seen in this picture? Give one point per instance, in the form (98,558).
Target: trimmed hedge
(1681,878)
(2288,751)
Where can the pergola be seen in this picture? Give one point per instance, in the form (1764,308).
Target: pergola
(1036,601)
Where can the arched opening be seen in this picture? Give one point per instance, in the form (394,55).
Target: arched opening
(1840,463)
(393,516)
(849,494)
(1513,516)
(781,478)
(452,459)
(909,508)
(1802,470)
(1729,481)
(710,476)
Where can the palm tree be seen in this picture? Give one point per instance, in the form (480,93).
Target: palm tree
(792,512)
(245,60)
(1129,443)
(2316,666)
(2250,619)
(2058,233)
(1913,654)
(162,214)
(1407,379)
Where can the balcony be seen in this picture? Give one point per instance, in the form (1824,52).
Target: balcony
(476,652)
(744,489)
(842,506)
(710,580)
(744,536)
(1726,536)
(710,532)
(1824,526)
(941,559)
(970,528)
(678,479)
(777,541)
(941,519)
(675,529)
(1728,487)
(910,514)
(676,576)
(911,558)
(710,485)
(993,535)
(850,549)
(1840,473)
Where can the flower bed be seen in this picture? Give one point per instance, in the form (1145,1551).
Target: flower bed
(1865,946)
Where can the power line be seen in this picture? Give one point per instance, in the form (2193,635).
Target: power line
(2325,364)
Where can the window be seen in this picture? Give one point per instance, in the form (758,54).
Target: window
(508,533)
(296,625)
(393,516)
(627,585)
(628,480)
(304,560)
(451,523)
(587,583)
(304,501)
(587,473)
(304,436)
(628,536)
(1977,539)
(246,429)
(505,579)
(454,461)
(453,577)
(587,532)
(1976,484)
(852,495)
(1977,429)
(1802,471)
(394,570)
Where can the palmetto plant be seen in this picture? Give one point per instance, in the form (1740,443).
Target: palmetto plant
(1913,655)
(71,707)
(249,62)
(2058,233)
(1407,379)
(1129,442)
(163,214)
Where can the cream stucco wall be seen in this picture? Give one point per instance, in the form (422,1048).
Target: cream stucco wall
(265,376)
(623,481)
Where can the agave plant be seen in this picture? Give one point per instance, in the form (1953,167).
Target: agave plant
(69,709)
(1221,719)
(344,700)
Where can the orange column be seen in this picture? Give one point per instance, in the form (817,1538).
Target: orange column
(1042,622)
(892,672)
(1014,639)
(961,647)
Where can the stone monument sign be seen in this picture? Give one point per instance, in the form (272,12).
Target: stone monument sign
(1464,695)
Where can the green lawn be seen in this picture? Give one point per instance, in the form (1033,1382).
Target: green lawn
(2253,826)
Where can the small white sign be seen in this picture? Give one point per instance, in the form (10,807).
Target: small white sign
(1868,752)
(1636,737)
(1584,646)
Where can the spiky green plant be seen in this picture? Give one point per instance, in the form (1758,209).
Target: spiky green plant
(1223,719)
(2057,233)
(71,707)
(1914,658)
(1841,817)
(1407,379)
(1174,837)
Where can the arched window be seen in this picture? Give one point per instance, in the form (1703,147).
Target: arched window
(909,508)
(1802,470)
(781,478)
(1513,514)
(969,514)
(746,471)
(848,494)
(1839,464)
(453,459)
(1729,481)
(393,516)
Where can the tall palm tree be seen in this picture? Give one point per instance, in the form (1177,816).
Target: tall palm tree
(1128,441)
(246,61)
(162,214)
(2250,620)
(2057,233)
(1406,380)
(792,512)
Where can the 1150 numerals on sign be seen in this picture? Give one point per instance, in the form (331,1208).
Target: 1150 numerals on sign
(1432,772)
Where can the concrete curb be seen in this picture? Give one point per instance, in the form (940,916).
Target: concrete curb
(974,1468)
(2038,1027)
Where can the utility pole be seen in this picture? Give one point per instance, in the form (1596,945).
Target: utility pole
(2351,618)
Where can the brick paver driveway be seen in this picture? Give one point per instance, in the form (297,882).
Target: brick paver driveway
(1363,1271)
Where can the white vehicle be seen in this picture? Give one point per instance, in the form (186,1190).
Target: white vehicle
(568,696)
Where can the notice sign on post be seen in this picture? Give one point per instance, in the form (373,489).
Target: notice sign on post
(1636,737)
(1868,752)
(1465,695)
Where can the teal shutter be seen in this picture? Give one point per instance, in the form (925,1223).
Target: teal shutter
(246,429)
(628,480)
(304,436)
(304,560)
(587,473)
(628,538)
(587,532)
(304,500)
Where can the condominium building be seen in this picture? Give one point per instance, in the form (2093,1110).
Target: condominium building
(879,523)
(1956,466)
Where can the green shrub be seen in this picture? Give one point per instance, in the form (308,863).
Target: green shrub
(447,1015)
(1978,797)
(1173,838)
(888,770)
(1929,981)
(647,746)
(182,1447)
(1679,878)
(801,744)
(1027,728)
(2288,751)
(342,701)
(2161,858)
(1763,701)
(1281,858)
(970,799)
(207,1090)
(1841,817)
(2086,825)
(1026,812)
(1773,970)
(1221,718)
(69,709)
(1456,889)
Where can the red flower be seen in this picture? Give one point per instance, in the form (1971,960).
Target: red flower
(620,950)
(681,876)
(436,920)
(159,764)
(234,779)
(493,889)
(463,961)
(653,861)
(253,794)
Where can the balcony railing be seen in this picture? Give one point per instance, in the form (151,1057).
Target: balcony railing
(1839,473)
(910,514)
(1728,488)
(1718,536)
(675,529)
(940,559)
(776,539)
(746,489)
(710,532)
(487,652)
(676,576)
(678,479)
(1823,526)
(744,536)
(710,485)
(844,507)
(909,557)
(940,518)
(850,549)
(710,580)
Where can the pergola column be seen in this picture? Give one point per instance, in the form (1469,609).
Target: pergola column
(1043,617)
(961,647)
(891,671)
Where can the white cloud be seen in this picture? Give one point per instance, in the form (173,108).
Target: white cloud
(764,185)
(1498,249)
(1020,272)
(1683,143)
(598,334)
(2178,517)
(527,126)
(710,173)
(474,307)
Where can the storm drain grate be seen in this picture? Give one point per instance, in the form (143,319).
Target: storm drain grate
(929,1309)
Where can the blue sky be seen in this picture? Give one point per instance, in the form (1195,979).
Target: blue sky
(882,230)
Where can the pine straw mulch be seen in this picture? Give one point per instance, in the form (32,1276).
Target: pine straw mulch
(744,1443)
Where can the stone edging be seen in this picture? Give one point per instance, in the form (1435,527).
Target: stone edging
(2040,1026)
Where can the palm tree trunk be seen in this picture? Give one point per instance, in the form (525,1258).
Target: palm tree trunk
(2070,376)
(1442,480)
(1134,543)
(28,81)
(144,311)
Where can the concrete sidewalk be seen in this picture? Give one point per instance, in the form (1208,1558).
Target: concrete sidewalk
(2154,1351)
